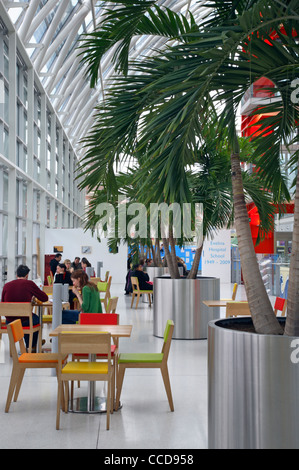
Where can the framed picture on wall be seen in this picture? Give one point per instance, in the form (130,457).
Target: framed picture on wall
(58,249)
(86,250)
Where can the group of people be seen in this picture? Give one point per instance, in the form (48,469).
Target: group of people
(24,290)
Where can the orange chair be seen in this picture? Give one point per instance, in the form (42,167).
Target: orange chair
(101,319)
(24,360)
(20,309)
(280,306)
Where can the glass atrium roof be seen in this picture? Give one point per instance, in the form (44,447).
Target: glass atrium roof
(49,29)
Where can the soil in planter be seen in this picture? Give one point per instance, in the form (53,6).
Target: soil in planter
(243,324)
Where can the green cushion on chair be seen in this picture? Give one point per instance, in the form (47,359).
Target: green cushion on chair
(140,357)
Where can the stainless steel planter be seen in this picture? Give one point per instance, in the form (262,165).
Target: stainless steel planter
(253,397)
(181,300)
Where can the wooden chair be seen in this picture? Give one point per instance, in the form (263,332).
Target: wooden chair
(147,360)
(139,292)
(102,319)
(235,288)
(48,289)
(77,343)
(50,280)
(235,309)
(20,309)
(105,287)
(280,306)
(24,360)
(107,276)
(112,304)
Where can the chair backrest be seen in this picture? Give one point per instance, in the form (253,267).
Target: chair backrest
(280,305)
(102,286)
(107,276)
(84,342)
(16,309)
(112,304)
(16,335)
(48,289)
(98,318)
(234,309)
(168,332)
(235,288)
(135,283)
(95,280)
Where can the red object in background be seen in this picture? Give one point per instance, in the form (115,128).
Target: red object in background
(267,245)
(48,258)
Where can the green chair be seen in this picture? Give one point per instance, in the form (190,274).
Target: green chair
(104,287)
(147,360)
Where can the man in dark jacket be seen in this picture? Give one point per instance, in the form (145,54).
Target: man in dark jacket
(143,278)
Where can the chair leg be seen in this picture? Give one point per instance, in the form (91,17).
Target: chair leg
(59,392)
(12,385)
(133,297)
(137,301)
(19,383)
(149,300)
(119,384)
(108,405)
(165,375)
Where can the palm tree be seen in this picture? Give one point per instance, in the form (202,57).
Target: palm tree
(170,96)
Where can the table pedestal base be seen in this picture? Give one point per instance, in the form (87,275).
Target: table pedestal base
(81,405)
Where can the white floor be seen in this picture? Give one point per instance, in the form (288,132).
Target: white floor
(144,421)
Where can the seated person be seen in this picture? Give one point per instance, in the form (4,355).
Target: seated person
(89,299)
(22,290)
(63,276)
(143,278)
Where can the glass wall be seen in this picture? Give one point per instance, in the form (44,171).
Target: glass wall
(38,188)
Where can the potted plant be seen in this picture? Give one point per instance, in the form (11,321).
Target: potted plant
(212,63)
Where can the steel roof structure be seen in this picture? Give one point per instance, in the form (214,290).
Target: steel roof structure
(50,30)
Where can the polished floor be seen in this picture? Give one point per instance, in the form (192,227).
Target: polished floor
(144,421)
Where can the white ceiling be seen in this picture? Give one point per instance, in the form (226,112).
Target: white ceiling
(49,29)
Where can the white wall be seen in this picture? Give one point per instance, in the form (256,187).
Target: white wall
(216,257)
(73,239)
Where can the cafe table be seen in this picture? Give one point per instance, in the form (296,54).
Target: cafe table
(91,403)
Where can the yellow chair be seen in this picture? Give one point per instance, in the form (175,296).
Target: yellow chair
(147,360)
(24,360)
(112,304)
(235,309)
(105,287)
(20,309)
(235,288)
(137,291)
(90,343)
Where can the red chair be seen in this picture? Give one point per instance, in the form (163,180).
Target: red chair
(280,306)
(101,319)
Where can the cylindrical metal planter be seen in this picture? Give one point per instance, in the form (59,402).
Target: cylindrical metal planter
(253,382)
(181,300)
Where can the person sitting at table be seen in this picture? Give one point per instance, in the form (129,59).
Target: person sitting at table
(64,277)
(23,290)
(88,298)
(143,278)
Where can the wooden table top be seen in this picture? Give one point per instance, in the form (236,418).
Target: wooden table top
(120,331)
(219,303)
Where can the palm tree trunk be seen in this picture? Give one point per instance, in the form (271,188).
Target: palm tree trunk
(292,320)
(194,268)
(263,317)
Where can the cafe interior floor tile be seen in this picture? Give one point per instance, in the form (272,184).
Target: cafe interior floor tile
(143,422)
